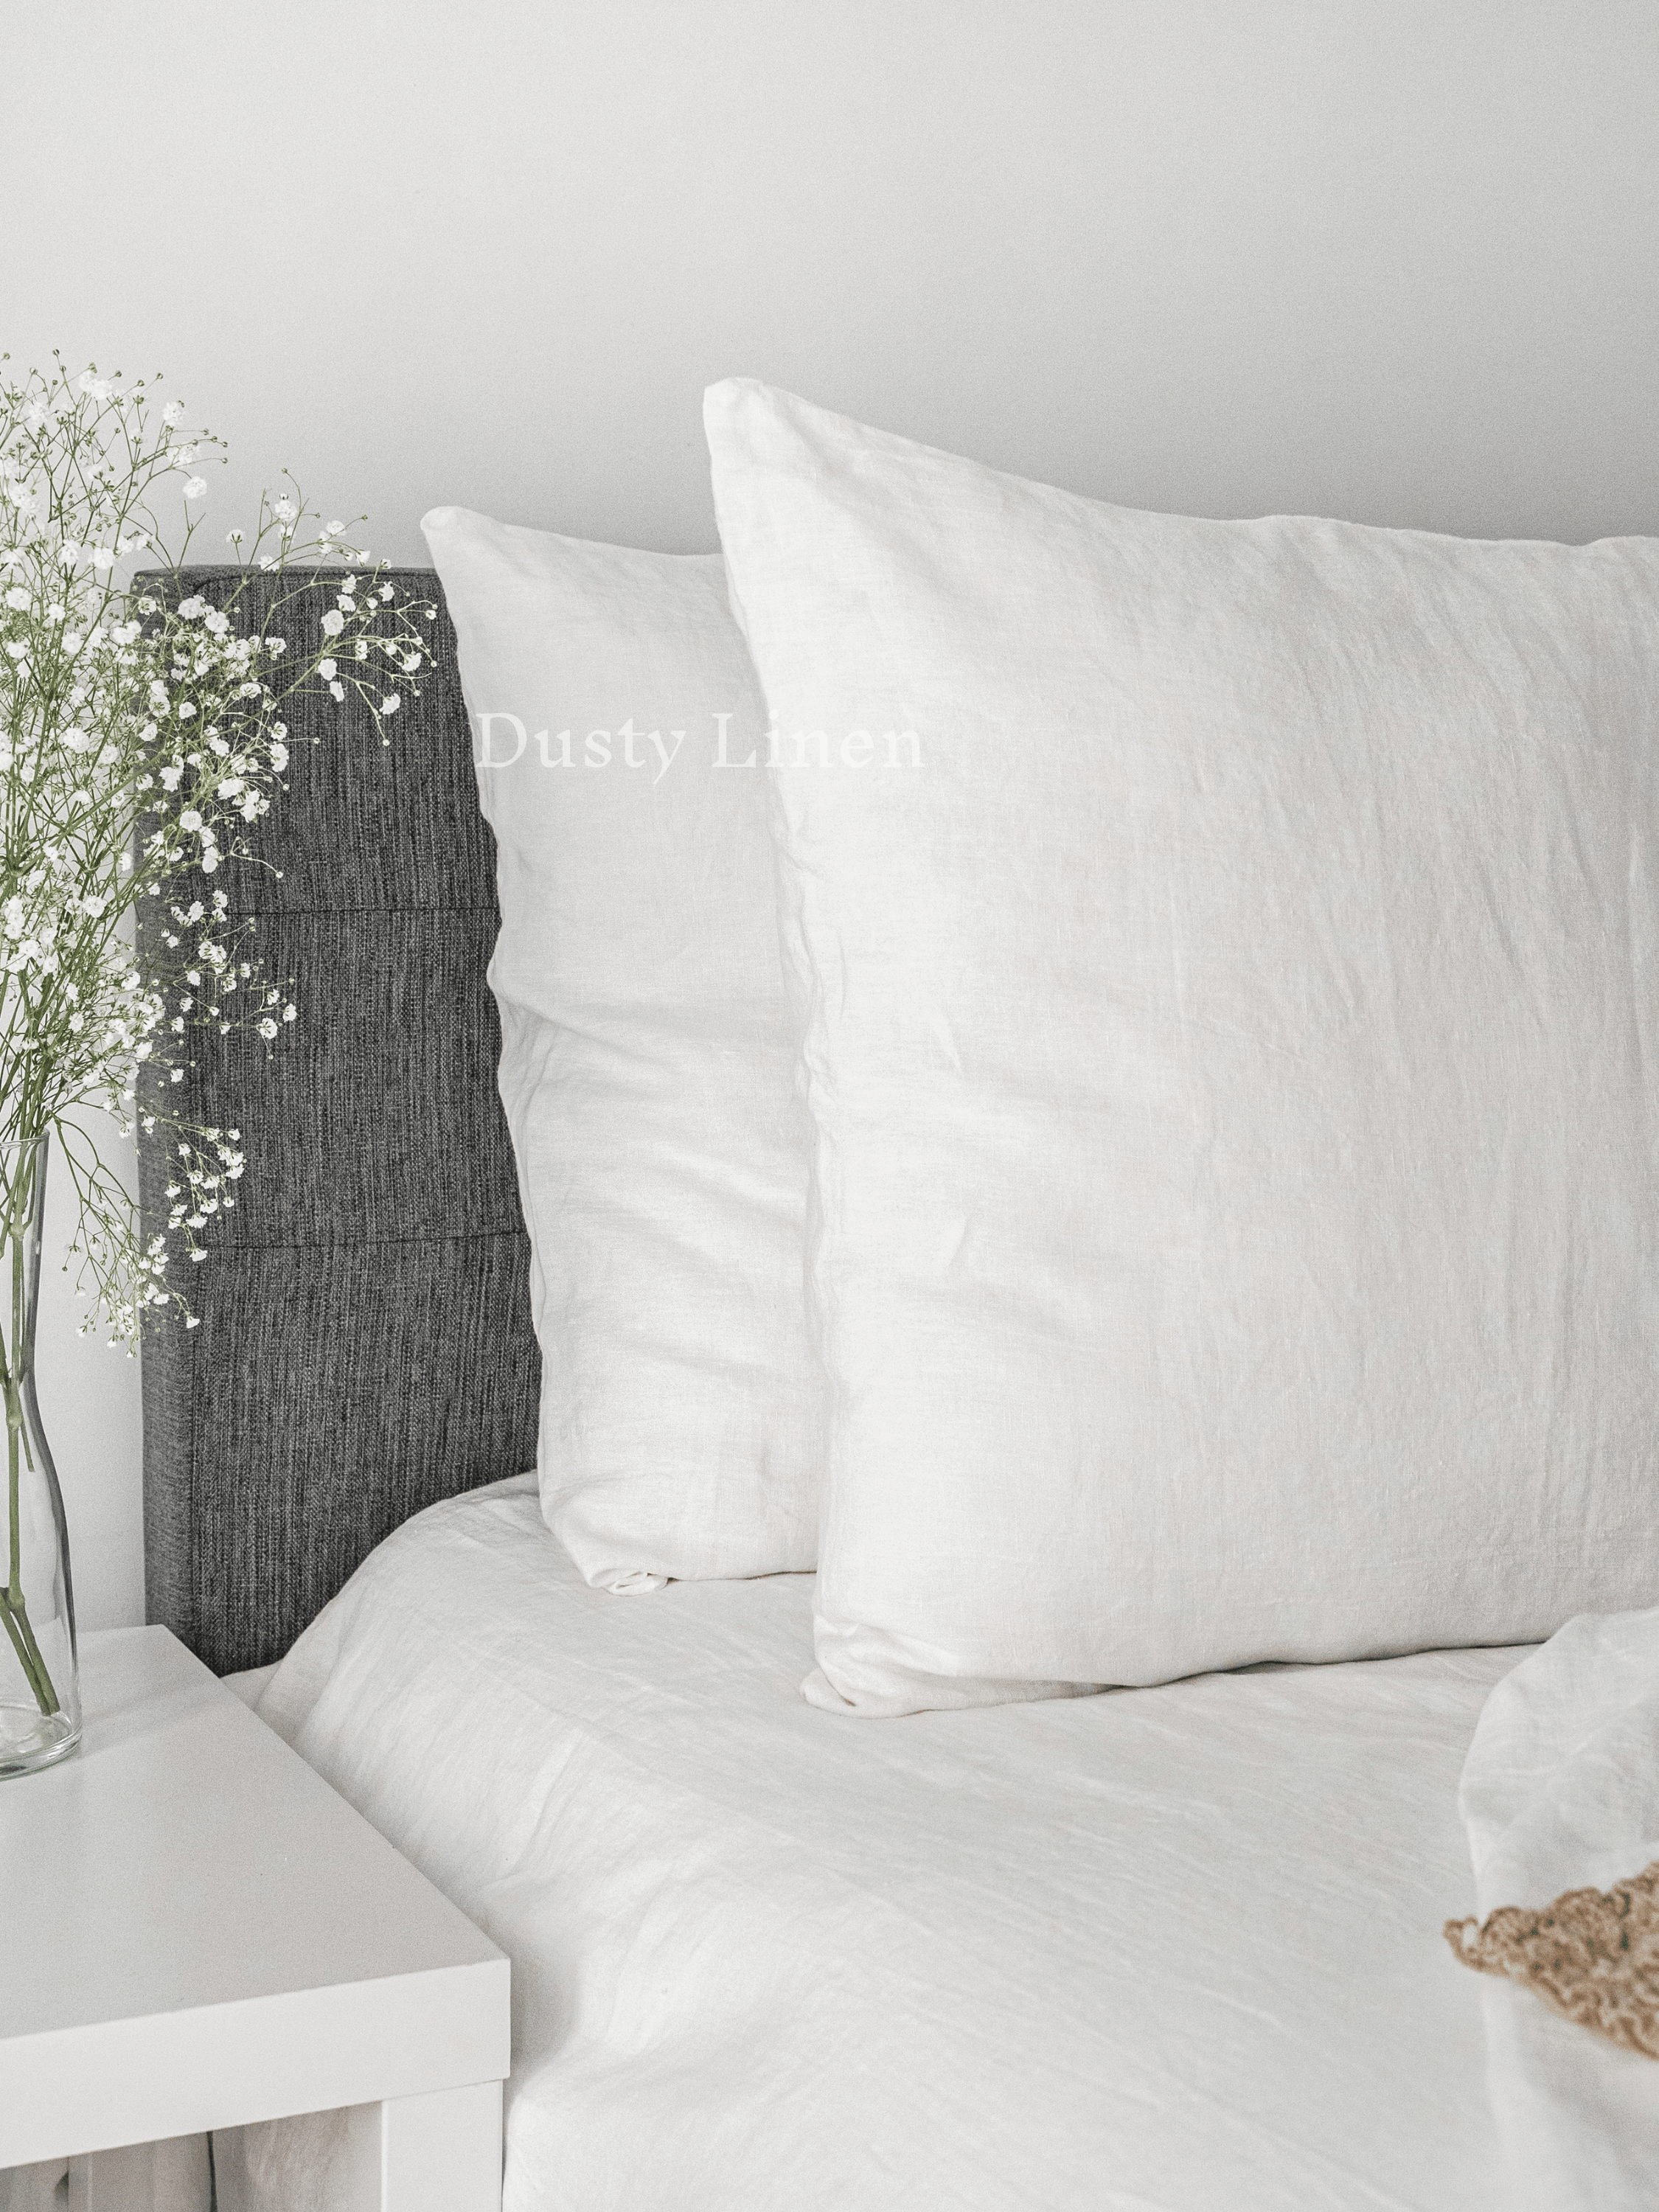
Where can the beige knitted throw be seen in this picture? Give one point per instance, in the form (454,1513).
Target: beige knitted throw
(1594,1955)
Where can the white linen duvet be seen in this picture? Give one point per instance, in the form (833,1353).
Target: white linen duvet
(1169,1947)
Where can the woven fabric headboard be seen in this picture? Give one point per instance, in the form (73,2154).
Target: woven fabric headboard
(365,1344)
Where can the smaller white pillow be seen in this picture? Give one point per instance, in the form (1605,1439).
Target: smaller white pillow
(647,1053)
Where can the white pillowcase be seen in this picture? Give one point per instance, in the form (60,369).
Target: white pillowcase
(647,1055)
(1230,1047)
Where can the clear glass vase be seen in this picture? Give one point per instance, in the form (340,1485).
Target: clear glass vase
(39,1686)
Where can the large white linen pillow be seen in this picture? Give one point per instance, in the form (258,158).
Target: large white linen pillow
(647,1053)
(1233,1014)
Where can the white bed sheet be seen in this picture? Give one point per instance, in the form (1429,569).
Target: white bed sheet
(1177,1947)
(1561,1792)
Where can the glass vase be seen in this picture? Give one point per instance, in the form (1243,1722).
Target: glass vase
(39,1686)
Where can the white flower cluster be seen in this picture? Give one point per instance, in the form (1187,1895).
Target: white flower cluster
(349,610)
(141,738)
(194,775)
(209,1164)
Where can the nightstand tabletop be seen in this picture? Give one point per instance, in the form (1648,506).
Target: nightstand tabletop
(200,1932)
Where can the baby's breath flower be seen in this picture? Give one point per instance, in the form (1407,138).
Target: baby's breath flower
(105,804)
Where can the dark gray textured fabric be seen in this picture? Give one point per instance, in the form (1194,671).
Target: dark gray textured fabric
(365,1344)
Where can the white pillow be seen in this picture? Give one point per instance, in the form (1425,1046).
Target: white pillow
(1232,1028)
(647,1055)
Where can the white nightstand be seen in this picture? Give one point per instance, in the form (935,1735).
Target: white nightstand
(199,1933)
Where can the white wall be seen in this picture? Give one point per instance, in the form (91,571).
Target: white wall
(89,1404)
(1394,259)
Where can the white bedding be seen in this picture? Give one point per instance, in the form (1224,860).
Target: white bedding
(1561,1792)
(1167,1947)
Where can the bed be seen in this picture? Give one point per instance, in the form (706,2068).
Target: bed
(1173,1948)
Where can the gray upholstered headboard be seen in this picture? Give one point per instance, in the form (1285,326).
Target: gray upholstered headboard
(365,1343)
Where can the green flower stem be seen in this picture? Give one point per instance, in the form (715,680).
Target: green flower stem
(29,1656)
(12,1606)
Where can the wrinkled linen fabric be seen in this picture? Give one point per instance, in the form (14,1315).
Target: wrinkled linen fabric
(1161,1950)
(1561,1791)
(1228,951)
(647,1064)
